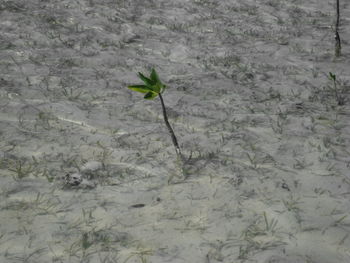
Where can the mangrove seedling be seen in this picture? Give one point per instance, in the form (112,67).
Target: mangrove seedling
(338,97)
(153,87)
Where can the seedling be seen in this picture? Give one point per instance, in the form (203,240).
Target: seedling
(153,87)
(340,99)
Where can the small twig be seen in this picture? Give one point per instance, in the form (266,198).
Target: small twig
(337,37)
(171,131)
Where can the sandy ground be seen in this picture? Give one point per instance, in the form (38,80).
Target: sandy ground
(249,96)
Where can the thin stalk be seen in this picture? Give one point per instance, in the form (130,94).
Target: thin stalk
(171,131)
(336,90)
(337,37)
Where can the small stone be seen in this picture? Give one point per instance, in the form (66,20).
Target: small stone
(73,179)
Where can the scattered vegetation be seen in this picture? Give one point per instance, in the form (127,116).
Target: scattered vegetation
(57,103)
(20,168)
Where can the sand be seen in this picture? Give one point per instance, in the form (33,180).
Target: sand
(88,170)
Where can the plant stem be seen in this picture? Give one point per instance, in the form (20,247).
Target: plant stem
(337,96)
(172,134)
(335,90)
(337,37)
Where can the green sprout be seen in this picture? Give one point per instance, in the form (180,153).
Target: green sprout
(153,87)
(340,99)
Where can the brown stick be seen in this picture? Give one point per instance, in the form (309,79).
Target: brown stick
(172,134)
(337,37)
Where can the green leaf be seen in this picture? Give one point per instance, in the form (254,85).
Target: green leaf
(147,81)
(150,95)
(154,76)
(332,76)
(140,88)
(157,88)
(153,86)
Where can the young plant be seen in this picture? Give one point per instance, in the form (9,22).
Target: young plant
(153,87)
(339,98)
